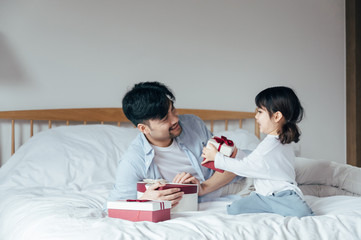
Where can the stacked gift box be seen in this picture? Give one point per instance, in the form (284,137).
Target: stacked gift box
(189,201)
(139,210)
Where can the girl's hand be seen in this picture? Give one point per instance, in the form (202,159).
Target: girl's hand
(209,153)
(234,154)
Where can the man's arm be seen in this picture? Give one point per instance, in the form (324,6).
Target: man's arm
(125,186)
(216,181)
(213,183)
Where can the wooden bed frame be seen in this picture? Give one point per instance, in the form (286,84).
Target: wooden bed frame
(110,115)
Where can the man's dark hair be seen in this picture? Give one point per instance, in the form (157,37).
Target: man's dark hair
(147,100)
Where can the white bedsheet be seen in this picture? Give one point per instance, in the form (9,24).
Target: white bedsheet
(56,214)
(55,186)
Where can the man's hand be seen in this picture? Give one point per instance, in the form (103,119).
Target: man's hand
(172,194)
(182,177)
(194,180)
(188,178)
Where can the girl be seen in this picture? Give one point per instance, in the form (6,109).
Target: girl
(271,164)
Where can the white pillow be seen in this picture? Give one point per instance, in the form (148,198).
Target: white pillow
(80,157)
(76,157)
(241,138)
(312,171)
(328,173)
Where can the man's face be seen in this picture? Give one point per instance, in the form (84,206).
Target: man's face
(160,132)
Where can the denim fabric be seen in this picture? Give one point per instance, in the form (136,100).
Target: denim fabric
(285,203)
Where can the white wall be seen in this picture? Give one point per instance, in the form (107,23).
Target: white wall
(213,54)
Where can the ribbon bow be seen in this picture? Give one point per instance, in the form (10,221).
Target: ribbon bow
(223,140)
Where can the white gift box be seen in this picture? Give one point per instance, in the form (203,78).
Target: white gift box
(139,210)
(224,146)
(189,201)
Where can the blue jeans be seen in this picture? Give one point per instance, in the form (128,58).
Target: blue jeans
(285,203)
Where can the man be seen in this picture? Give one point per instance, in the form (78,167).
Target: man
(168,146)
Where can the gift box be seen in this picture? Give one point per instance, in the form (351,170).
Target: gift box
(224,146)
(139,210)
(189,201)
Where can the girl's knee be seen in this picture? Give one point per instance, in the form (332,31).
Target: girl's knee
(234,209)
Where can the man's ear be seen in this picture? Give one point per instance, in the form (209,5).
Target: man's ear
(277,116)
(142,127)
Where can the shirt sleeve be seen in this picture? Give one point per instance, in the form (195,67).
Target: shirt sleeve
(252,165)
(127,176)
(207,134)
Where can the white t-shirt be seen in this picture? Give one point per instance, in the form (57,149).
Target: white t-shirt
(171,161)
(271,165)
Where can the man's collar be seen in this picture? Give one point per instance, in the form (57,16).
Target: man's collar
(147,147)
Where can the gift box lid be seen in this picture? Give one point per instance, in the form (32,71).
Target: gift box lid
(186,188)
(144,205)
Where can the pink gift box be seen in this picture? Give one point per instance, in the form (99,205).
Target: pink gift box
(189,201)
(139,210)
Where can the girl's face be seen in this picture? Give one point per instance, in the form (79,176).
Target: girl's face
(267,124)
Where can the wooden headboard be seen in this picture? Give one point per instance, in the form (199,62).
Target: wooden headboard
(110,115)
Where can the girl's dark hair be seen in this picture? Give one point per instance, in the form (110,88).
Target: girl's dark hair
(283,99)
(147,100)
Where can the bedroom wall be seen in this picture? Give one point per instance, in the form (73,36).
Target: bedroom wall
(213,54)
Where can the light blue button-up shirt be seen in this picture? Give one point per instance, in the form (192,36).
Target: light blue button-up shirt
(137,162)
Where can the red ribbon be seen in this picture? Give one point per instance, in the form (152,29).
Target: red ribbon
(223,140)
(137,200)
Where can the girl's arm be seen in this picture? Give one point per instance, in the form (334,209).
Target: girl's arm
(213,183)
(252,165)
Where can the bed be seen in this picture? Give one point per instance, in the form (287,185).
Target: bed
(55,185)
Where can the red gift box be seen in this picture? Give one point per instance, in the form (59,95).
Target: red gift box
(211,166)
(189,201)
(224,146)
(139,210)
